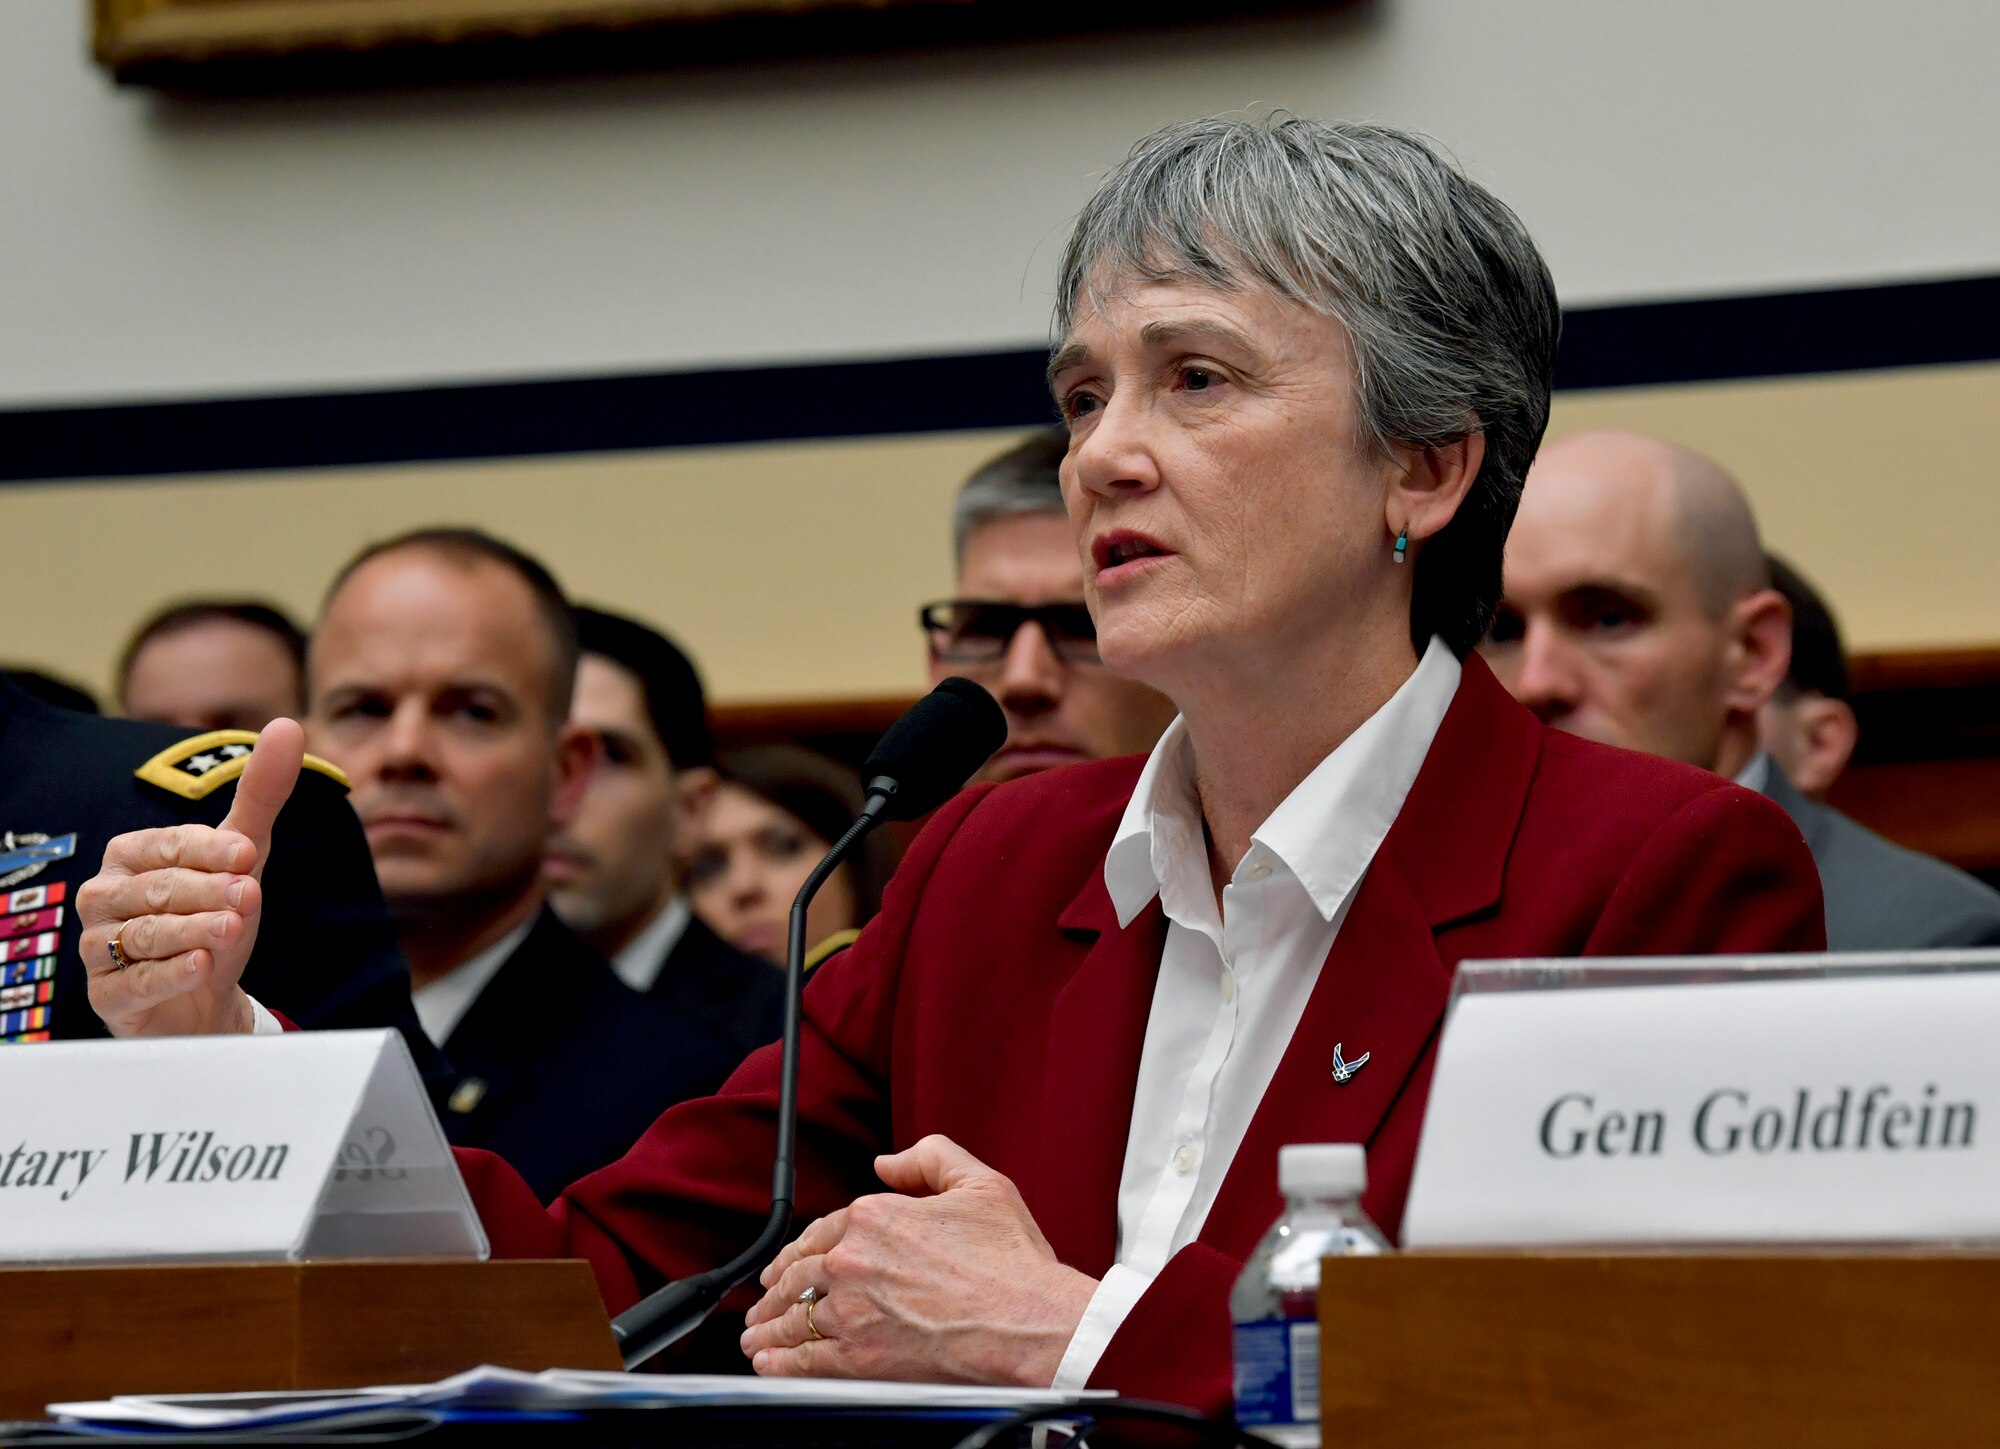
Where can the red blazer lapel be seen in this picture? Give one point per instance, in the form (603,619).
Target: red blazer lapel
(1456,830)
(1097,1030)
(1381,991)
(1383,987)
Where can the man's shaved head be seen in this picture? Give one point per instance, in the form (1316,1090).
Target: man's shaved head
(1718,530)
(1638,607)
(1714,534)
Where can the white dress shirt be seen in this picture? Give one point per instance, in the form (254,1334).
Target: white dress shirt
(639,964)
(442,1004)
(1233,984)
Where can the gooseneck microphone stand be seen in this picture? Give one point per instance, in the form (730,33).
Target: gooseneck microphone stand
(679,1308)
(920,761)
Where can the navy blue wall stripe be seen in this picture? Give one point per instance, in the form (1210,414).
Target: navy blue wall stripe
(1784,334)
(1648,344)
(518,419)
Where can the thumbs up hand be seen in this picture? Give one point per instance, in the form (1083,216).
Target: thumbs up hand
(183,902)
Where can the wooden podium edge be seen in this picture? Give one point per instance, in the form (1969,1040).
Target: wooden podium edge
(90,1332)
(1831,1348)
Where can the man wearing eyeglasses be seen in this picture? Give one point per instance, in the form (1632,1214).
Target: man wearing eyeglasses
(1019,626)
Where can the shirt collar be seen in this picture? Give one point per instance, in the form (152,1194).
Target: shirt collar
(1757,774)
(645,955)
(1325,832)
(442,1004)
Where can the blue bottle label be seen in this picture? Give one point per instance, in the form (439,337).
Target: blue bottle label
(1277,1371)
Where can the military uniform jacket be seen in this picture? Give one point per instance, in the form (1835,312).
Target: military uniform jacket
(326,954)
(561,1066)
(737,998)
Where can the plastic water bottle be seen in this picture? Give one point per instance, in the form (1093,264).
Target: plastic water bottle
(1275,1304)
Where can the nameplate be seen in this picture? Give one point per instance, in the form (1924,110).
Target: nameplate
(1714,1100)
(251,1148)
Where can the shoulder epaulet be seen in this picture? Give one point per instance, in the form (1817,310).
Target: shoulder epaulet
(832,946)
(202,764)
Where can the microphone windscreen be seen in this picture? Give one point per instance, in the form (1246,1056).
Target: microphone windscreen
(934,748)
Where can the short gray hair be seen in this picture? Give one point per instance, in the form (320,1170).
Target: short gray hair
(1448,307)
(1024,479)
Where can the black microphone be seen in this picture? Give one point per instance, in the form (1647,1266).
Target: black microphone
(924,758)
(920,762)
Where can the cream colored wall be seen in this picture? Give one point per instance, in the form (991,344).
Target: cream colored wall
(896,205)
(914,204)
(792,572)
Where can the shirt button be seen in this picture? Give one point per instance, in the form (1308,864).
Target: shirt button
(1183,1158)
(1228,986)
(1259,870)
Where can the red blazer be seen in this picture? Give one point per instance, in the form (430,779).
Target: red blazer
(996,1000)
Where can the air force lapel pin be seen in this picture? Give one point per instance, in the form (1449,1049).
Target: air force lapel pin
(1343,1071)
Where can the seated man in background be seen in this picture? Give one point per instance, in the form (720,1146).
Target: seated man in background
(214,664)
(72,783)
(1808,726)
(615,871)
(1019,626)
(440,676)
(1638,611)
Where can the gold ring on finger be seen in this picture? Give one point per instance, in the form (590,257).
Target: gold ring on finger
(811,1298)
(118,960)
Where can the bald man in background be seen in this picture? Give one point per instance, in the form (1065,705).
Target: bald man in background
(1638,611)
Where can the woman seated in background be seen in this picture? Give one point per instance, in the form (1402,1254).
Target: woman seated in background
(779,809)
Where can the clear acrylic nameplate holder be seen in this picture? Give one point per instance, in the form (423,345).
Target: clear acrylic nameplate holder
(1810,1098)
(1582,973)
(309,1145)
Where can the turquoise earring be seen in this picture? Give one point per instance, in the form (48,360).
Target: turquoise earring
(1402,546)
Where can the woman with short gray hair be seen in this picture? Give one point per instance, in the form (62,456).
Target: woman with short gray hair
(1449,313)
(1303,369)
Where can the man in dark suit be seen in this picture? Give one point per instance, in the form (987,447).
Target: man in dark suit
(71,782)
(614,872)
(1639,611)
(1879,895)
(440,678)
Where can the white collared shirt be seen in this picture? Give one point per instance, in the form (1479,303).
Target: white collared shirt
(1234,983)
(640,963)
(442,1004)
(1757,774)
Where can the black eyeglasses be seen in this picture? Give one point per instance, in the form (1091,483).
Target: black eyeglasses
(978,631)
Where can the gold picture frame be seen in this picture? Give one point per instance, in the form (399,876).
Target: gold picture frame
(234,44)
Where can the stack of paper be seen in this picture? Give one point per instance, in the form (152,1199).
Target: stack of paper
(499,1390)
